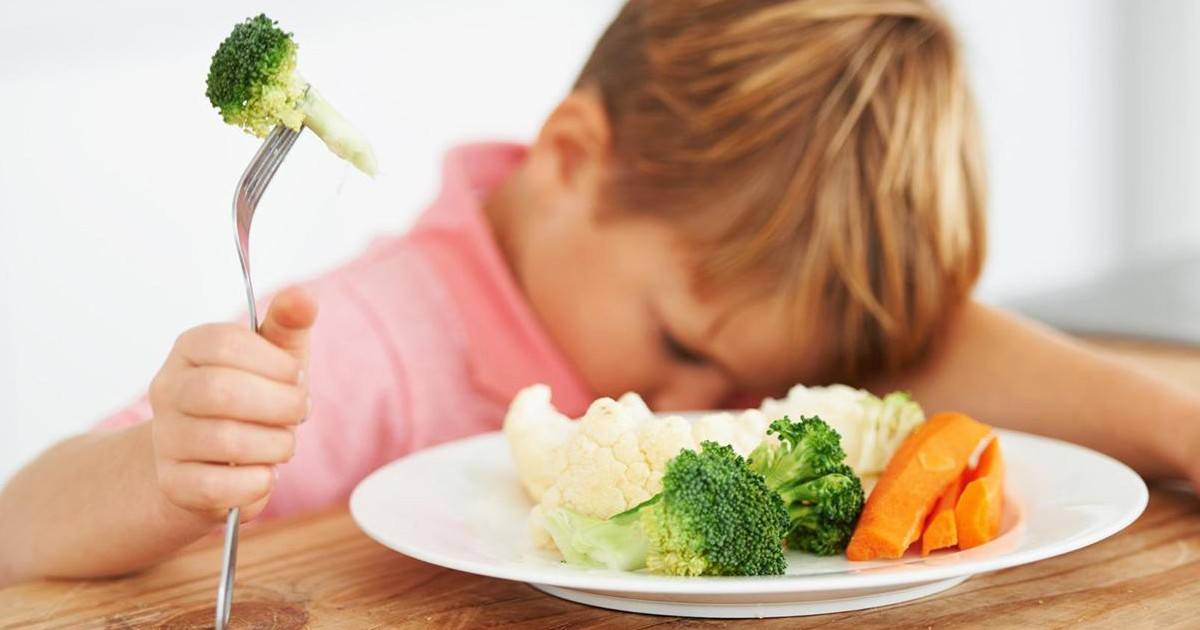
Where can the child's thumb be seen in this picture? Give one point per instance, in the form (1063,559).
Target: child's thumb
(289,319)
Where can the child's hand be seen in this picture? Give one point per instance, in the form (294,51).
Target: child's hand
(228,396)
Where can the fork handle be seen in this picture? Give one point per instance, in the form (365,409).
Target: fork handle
(228,564)
(229,553)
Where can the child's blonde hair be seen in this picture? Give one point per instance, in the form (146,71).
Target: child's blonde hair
(830,145)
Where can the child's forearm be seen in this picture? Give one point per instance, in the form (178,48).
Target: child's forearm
(1017,374)
(90,506)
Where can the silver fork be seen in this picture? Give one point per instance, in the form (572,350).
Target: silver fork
(245,200)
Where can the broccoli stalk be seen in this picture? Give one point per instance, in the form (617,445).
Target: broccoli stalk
(253,83)
(823,495)
(617,543)
(714,516)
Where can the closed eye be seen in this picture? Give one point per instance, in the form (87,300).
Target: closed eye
(681,352)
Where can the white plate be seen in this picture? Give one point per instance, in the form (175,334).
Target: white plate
(459,505)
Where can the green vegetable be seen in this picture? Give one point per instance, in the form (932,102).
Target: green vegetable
(806,467)
(253,83)
(714,516)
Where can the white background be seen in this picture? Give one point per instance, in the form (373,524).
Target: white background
(116,175)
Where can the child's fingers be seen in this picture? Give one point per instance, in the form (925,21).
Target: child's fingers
(289,319)
(207,487)
(234,346)
(251,511)
(228,441)
(220,392)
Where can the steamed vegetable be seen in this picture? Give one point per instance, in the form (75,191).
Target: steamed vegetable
(871,428)
(253,83)
(613,458)
(941,531)
(977,514)
(714,516)
(932,457)
(823,495)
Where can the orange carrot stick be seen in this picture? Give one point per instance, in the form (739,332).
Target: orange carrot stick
(935,454)
(941,530)
(977,515)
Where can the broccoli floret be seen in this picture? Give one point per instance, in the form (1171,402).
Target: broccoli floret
(253,83)
(714,516)
(823,495)
(806,449)
(823,512)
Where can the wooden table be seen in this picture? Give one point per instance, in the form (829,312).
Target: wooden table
(321,571)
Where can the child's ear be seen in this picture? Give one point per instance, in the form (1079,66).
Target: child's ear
(574,146)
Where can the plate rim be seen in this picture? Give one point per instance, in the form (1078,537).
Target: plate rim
(609,582)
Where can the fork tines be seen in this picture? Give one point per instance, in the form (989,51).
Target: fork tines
(266,162)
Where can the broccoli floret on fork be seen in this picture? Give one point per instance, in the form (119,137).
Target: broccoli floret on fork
(253,83)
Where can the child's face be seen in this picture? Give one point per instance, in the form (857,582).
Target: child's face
(613,289)
(612,286)
(615,296)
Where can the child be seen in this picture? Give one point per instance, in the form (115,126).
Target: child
(737,195)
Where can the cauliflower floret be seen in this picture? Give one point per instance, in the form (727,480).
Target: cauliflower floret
(743,431)
(536,432)
(635,406)
(615,458)
(662,439)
